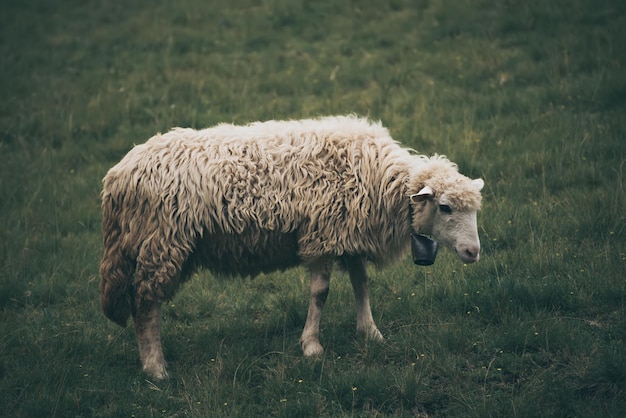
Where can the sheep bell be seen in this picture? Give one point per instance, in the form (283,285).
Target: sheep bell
(424,250)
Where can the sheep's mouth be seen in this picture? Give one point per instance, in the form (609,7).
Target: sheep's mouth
(424,249)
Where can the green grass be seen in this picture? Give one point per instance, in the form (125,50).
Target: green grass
(529,95)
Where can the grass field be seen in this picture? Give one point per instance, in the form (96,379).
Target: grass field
(530,95)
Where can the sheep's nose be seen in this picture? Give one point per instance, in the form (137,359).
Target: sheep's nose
(470,254)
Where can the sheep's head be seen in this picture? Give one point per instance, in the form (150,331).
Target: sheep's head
(445,207)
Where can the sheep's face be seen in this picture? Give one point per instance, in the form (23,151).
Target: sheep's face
(449,215)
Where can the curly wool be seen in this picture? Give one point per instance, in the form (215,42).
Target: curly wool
(442,175)
(255,198)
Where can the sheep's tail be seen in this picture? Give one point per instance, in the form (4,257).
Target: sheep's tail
(116,269)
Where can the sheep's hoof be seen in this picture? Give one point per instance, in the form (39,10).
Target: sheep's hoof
(375,335)
(372,333)
(157,371)
(312,349)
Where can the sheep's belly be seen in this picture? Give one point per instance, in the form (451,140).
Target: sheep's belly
(248,254)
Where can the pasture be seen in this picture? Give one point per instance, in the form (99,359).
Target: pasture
(530,96)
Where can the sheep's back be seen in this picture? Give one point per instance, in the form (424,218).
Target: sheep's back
(318,183)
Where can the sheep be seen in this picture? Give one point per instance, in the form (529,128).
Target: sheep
(266,196)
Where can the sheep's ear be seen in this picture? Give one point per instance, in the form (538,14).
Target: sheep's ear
(425,193)
(478,184)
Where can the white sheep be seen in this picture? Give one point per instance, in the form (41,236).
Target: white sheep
(267,196)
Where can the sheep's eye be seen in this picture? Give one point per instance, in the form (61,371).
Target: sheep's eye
(445,209)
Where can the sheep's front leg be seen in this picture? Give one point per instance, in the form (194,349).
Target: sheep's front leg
(148,329)
(320,283)
(358,277)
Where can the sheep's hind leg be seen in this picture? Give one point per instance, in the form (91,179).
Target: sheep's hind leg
(320,283)
(148,329)
(358,277)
